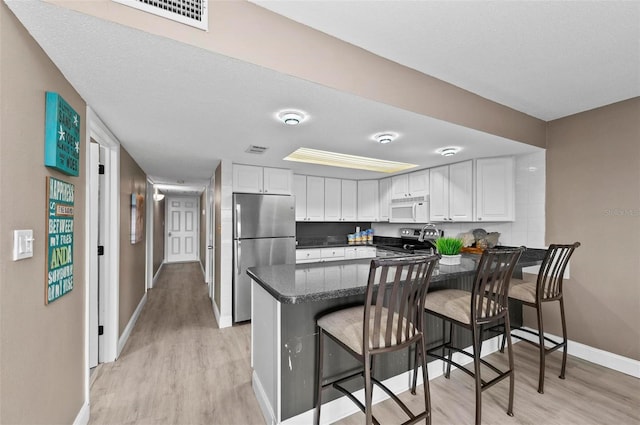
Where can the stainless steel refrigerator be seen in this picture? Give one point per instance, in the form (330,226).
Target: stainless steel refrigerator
(264,230)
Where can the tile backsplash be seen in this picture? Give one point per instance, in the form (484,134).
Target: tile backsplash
(529,227)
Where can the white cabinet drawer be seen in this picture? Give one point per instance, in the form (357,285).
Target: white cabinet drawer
(308,255)
(329,253)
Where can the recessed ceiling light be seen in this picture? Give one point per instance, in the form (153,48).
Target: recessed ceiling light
(385,137)
(334,159)
(448,151)
(291,117)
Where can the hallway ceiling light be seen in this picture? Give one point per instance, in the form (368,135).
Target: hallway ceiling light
(157,196)
(448,151)
(333,159)
(384,138)
(292,117)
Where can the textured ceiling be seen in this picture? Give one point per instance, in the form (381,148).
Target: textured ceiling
(178,109)
(548,59)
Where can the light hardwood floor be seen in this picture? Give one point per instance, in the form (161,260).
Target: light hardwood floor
(179,368)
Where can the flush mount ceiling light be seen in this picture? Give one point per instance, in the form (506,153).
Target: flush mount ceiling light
(384,138)
(448,151)
(291,117)
(157,196)
(333,159)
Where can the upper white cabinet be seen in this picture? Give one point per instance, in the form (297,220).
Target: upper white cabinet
(384,198)
(495,189)
(253,179)
(277,181)
(410,185)
(332,199)
(349,202)
(300,193)
(309,193)
(451,192)
(368,200)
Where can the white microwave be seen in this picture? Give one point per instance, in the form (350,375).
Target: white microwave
(409,212)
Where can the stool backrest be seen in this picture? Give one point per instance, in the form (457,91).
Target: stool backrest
(395,297)
(490,292)
(549,285)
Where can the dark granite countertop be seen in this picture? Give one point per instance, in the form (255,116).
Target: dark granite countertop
(303,283)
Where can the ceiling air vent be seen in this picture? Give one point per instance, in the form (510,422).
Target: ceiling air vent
(256,149)
(190,12)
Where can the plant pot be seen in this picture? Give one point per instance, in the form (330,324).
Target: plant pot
(450,260)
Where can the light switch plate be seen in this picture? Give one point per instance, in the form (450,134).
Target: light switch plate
(22,244)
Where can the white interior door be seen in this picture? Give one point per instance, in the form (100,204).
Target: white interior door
(182,229)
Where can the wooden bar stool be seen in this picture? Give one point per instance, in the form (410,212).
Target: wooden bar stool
(485,306)
(391,319)
(547,288)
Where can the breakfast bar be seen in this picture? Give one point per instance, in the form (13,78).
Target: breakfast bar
(286,300)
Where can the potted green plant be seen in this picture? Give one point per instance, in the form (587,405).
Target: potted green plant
(449,248)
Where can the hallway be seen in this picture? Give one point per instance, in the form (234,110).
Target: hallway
(178,367)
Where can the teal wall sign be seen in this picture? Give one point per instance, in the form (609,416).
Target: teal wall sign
(59,276)
(61,136)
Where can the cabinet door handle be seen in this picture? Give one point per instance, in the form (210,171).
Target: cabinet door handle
(479,218)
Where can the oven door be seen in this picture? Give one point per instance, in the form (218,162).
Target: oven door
(403,213)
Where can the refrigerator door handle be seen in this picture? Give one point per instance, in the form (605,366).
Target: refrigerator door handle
(238,221)
(238,258)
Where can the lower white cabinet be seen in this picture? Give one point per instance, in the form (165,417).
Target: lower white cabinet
(311,255)
(318,255)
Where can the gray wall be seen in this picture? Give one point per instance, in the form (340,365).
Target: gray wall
(41,347)
(593,196)
(132,256)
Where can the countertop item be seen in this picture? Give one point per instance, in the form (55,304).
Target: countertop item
(303,283)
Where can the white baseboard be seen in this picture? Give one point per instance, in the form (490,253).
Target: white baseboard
(82,418)
(155,276)
(223,321)
(342,407)
(591,354)
(134,318)
(204,274)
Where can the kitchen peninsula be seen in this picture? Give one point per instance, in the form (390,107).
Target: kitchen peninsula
(286,299)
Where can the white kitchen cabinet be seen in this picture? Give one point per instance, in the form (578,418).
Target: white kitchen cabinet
(308,255)
(399,186)
(332,199)
(418,184)
(300,193)
(329,254)
(277,181)
(368,200)
(411,185)
(439,193)
(352,252)
(349,197)
(254,179)
(495,189)
(309,193)
(451,192)
(315,198)
(247,178)
(384,198)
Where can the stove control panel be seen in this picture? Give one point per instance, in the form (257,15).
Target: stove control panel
(430,233)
